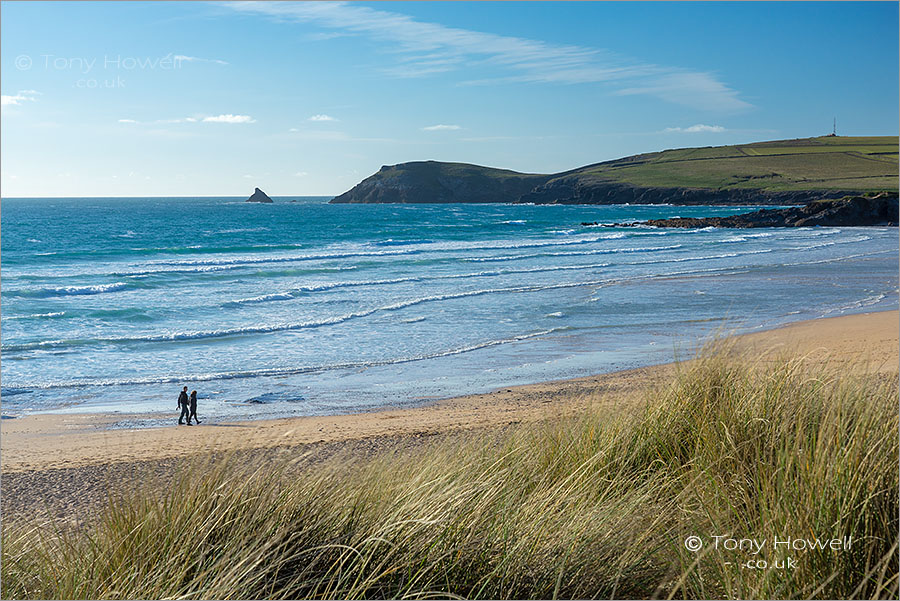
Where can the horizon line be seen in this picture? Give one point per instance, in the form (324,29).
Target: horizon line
(188,196)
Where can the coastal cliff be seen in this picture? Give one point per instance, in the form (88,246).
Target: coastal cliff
(765,173)
(436,182)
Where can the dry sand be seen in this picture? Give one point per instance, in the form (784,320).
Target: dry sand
(66,463)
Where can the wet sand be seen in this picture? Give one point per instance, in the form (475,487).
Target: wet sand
(67,464)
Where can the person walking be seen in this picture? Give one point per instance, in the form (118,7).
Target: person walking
(193,408)
(183,405)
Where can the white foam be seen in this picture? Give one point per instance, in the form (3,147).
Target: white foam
(294,370)
(239,230)
(283,327)
(36,315)
(69,290)
(296,292)
(573,253)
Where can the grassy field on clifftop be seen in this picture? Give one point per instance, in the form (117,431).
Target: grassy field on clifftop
(776,172)
(836,163)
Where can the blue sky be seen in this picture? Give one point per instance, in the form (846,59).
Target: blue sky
(195,98)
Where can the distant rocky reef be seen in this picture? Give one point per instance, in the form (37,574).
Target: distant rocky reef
(879,209)
(259,196)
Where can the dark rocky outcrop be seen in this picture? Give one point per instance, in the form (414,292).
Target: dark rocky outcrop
(259,196)
(880,209)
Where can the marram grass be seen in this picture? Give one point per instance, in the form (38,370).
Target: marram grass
(598,506)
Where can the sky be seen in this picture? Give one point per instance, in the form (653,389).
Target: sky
(216,98)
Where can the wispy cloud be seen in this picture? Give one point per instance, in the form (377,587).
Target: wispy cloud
(695,129)
(424,49)
(326,135)
(20,97)
(322,118)
(197,59)
(441,128)
(301,174)
(698,90)
(506,138)
(229,118)
(181,120)
(322,37)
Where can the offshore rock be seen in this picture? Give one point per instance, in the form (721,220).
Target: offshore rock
(259,196)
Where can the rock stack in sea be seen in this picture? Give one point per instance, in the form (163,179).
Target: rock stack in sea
(259,196)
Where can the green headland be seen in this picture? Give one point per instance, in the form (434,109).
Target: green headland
(776,172)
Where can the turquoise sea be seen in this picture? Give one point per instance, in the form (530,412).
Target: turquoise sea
(306,308)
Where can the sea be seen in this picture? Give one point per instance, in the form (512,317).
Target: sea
(301,307)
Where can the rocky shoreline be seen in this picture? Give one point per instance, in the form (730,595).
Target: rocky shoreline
(878,210)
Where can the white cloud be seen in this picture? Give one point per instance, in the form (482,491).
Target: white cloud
(441,128)
(301,174)
(127,121)
(19,98)
(229,118)
(322,118)
(423,49)
(695,129)
(293,129)
(197,59)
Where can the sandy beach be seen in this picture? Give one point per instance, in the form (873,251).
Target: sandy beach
(67,463)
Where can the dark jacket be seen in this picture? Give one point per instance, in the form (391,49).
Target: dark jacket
(182,398)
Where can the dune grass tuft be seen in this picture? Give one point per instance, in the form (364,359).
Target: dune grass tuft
(594,506)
